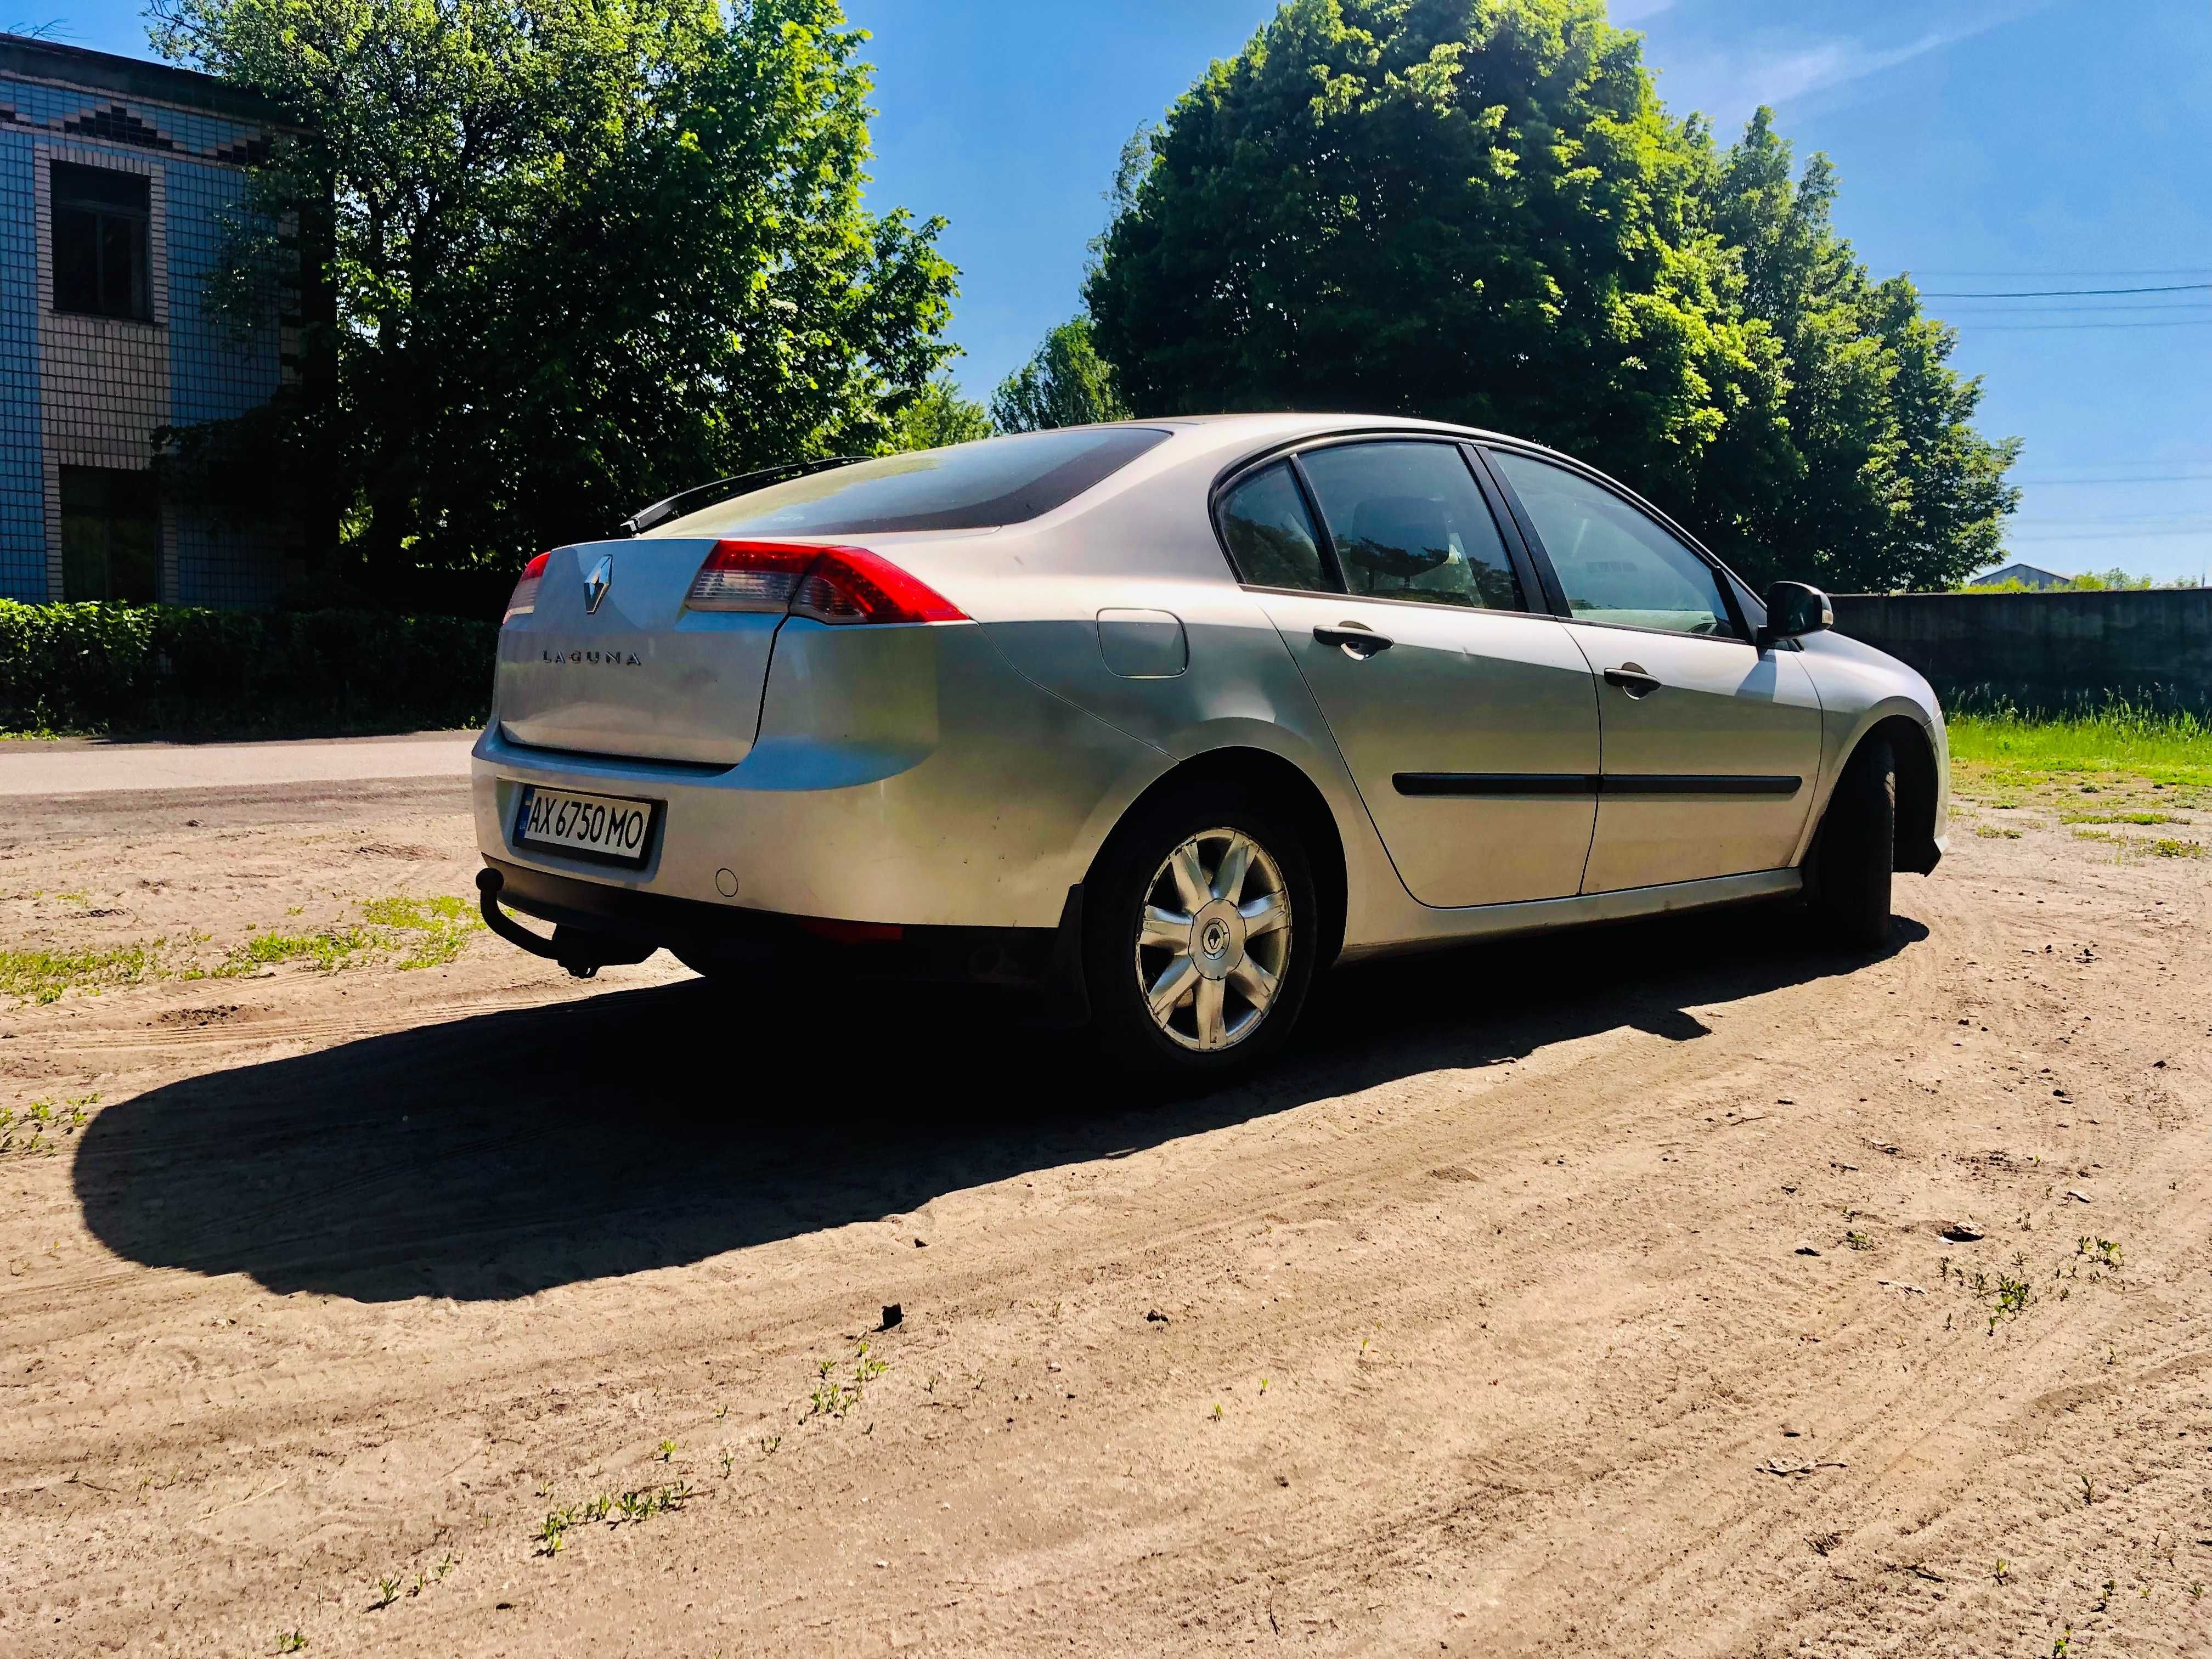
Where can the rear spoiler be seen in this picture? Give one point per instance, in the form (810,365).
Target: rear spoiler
(705,494)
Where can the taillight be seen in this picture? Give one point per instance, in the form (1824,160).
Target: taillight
(524,599)
(838,584)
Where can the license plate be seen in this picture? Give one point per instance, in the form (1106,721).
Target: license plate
(603,826)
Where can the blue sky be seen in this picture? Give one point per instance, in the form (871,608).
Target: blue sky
(1987,146)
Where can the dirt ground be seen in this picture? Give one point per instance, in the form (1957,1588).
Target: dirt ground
(1594,1296)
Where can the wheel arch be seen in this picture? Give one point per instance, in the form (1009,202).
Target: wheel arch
(1277,779)
(1917,788)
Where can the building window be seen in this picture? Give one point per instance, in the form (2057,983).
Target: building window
(111,534)
(103,242)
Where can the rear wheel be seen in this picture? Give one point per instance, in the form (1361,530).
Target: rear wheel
(1856,850)
(1200,925)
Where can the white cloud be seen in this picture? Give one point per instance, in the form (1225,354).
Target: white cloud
(1728,82)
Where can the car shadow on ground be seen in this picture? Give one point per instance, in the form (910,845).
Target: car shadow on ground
(501,1154)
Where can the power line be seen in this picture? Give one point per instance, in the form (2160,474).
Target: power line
(2161,271)
(2110,484)
(2061,293)
(2070,328)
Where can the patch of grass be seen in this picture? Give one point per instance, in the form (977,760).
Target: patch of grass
(1988,832)
(2117,736)
(2120,817)
(44,975)
(332,949)
(439,926)
(2166,846)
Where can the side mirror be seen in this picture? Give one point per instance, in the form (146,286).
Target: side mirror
(1792,610)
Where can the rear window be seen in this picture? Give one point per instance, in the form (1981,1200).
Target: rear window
(973,486)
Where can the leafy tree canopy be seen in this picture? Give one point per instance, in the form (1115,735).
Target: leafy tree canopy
(939,416)
(1477,210)
(581,253)
(1065,384)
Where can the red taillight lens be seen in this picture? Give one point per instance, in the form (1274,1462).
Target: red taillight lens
(524,599)
(838,584)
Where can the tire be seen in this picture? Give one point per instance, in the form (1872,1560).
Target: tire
(1206,1035)
(1856,850)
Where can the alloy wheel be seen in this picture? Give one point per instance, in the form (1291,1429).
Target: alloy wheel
(1214,940)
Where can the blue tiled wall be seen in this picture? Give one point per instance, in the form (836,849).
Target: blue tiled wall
(22,503)
(212,374)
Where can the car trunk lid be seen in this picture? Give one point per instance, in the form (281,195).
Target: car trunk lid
(633,672)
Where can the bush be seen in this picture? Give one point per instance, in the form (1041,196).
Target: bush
(172,669)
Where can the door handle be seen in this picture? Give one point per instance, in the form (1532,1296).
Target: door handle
(1633,680)
(1357,642)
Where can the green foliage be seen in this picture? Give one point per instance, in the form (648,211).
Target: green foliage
(2168,746)
(1477,210)
(581,253)
(941,417)
(1884,484)
(1065,384)
(40,975)
(101,668)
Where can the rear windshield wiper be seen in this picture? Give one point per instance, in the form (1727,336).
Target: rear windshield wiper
(705,494)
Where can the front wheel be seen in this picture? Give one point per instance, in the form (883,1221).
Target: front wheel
(1856,850)
(1200,925)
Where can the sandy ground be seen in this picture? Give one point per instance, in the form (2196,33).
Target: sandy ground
(1580,1297)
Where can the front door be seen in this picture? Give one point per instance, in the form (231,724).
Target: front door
(1469,722)
(1712,747)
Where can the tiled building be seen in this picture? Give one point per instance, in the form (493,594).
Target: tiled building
(119,182)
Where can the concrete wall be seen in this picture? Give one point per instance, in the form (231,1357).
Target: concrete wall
(2046,648)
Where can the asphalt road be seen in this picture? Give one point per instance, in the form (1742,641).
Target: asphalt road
(76,768)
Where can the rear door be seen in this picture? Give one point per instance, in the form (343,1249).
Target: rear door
(1712,747)
(1468,720)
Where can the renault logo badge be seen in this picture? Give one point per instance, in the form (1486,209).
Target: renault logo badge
(596,584)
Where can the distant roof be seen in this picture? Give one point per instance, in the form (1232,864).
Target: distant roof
(2026,576)
(34,59)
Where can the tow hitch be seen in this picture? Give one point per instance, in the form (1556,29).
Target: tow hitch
(582,953)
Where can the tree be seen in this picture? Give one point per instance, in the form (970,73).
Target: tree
(1888,484)
(1473,209)
(1065,384)
(582,252)
(1477,210)
(940,417)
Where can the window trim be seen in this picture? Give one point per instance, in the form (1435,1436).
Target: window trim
(1288,455)
(56,202)
(1557,592)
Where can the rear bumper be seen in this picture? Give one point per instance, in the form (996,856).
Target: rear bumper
(900,775)
(597,923)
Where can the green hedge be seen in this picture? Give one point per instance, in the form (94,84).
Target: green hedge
(170,668)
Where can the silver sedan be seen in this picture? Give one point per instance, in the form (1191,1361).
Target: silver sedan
(1165,717)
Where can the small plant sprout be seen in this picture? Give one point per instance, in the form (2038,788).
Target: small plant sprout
(665,1451)
(1263,1385)
(2064,1646)
(387,1592)
(447,1566)
(2088,1492)
(2197,1590)
(726,1460)
(290,1641)
(769,1444)
(2003,1570)
(1858,1241)
(553,1535)
(2105,1600)
(1217,1411)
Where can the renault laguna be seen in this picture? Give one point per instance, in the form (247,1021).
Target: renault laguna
(1164,718)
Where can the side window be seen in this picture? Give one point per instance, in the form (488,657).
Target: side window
(1616,565)
(1270,534)
(1409,523)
